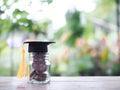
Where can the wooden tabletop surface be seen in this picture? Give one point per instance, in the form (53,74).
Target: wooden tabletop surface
(63,83)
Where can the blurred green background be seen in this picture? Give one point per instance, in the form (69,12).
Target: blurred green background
(86,33)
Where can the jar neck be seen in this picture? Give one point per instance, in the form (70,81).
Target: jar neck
(38,56)
(38,52)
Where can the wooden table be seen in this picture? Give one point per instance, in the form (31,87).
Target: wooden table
(63,83)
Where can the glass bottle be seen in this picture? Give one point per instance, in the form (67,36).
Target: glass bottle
(39,68)
(38,65)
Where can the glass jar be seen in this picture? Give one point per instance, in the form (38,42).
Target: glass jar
(39,68)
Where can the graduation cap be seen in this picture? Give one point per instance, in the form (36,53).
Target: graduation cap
(38,46)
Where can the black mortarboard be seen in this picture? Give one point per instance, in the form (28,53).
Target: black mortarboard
(38,46)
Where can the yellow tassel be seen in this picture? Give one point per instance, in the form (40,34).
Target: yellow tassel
(21,71)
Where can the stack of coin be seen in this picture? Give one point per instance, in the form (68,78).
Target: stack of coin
(39,66)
